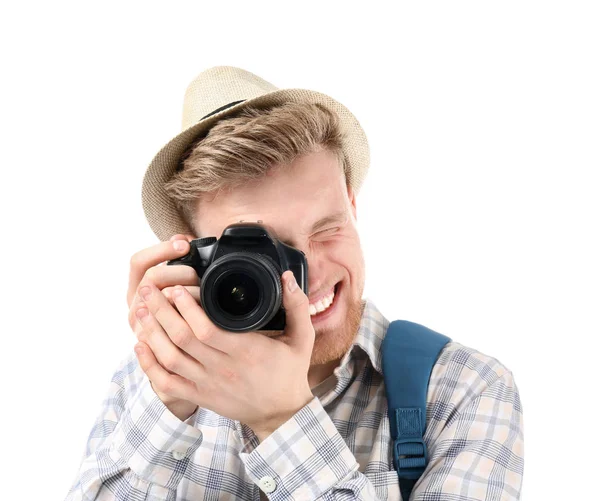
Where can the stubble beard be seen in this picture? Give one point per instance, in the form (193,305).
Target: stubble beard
(333,343)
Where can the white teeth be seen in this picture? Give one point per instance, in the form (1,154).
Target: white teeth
(321,305)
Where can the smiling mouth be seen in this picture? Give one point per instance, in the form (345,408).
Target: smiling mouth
(324,303)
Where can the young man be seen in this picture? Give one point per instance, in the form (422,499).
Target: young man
(203,413)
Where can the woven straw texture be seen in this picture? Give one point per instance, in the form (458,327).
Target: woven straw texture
(217,87)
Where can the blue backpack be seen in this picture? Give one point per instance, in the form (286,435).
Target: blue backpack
(409,352)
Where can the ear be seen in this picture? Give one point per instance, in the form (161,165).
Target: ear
(352,198)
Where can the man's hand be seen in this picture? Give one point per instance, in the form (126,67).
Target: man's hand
(249,377)
(148,264)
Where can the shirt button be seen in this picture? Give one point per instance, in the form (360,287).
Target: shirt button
(178,455)
(267,484)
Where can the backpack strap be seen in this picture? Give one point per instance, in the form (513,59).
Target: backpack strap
(409,352)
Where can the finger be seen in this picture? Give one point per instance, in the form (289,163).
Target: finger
(132,319)
(163,382)
(165,277)
(168,276)
(138,329)
(147,258)
(182,236)
(178,330)
(202,327)
(170,356)
(193,291)
(299,330)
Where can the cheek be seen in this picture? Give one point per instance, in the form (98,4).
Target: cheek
(349,255)
(341,251)
(353,260)
(348,249)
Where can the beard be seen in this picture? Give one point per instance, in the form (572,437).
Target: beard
(332,343)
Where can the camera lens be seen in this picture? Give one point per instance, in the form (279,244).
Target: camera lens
(241,291)
(237,294)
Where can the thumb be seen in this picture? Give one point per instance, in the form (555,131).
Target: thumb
(299,330)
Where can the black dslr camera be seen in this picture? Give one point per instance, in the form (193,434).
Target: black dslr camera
(240,276)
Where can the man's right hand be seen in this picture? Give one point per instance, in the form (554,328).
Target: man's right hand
(151,263)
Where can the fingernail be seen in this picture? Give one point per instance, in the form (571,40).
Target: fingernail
(292,284)
(142,313)
(177,292)
(145,293)
(138,349)
(179,245)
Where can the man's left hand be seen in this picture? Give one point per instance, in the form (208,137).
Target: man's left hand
(248,377)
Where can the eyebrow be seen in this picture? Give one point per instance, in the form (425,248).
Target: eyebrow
(338,217)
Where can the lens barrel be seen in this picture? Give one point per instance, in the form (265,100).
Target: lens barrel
(241,291)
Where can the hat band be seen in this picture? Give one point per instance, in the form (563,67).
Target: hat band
(221,109)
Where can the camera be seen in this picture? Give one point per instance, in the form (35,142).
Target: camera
(240,276)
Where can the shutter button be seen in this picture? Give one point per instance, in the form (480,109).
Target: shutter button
(267,484)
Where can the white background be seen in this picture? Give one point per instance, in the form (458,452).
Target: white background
(479,217)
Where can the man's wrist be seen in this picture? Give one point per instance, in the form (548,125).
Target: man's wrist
(266,429)
(264,433)
(182,410)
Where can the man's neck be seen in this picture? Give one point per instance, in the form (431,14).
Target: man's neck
(319,373)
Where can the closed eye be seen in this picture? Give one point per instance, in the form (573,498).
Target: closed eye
(325,233)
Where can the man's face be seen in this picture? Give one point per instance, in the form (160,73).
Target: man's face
(292,201)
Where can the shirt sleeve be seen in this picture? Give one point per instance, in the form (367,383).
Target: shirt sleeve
(307,458)
(137,449)
(475,432)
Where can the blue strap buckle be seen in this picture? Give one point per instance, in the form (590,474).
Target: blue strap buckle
(410,456)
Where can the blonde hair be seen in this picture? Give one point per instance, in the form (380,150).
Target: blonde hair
(244,147)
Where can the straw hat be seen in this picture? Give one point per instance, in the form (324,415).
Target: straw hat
(220,92)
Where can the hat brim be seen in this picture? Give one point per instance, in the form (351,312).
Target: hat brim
(160,210)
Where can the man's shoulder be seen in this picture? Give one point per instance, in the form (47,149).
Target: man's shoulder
(461,374)
(469,390)
(457,358)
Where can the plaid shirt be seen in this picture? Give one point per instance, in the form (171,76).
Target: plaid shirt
(337,447)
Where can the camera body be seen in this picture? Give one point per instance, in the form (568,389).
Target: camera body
(240,276)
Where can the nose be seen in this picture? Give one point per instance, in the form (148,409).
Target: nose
(316,272)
